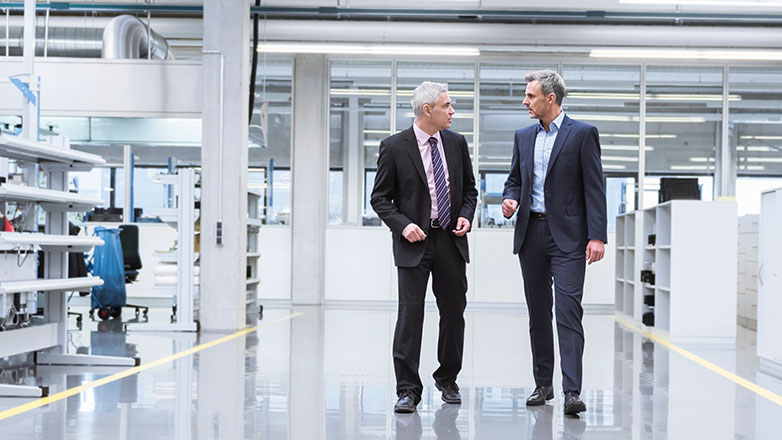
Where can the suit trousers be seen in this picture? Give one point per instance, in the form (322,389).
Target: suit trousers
(541,263)
(449,283)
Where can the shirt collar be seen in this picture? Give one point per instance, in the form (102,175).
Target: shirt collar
(557,122)
(422,137)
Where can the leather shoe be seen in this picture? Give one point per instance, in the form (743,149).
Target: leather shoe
(573,403)
(540,396)
(405,404)
(450,392)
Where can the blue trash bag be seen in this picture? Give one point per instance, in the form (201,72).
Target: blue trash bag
(108,264)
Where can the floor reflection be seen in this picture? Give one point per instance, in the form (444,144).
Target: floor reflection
(328,375)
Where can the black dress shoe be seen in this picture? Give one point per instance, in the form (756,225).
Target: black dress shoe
(405,404)
(540,396)
(573,403)
(450,392)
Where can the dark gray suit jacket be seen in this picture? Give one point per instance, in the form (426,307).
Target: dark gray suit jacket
(401,193)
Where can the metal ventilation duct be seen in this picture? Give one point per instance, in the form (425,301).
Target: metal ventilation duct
(124,36)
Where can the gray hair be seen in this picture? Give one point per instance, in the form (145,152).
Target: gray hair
(550,82)
(427,93)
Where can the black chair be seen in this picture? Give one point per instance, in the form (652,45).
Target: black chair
(129,239)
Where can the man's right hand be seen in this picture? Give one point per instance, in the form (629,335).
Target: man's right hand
(413,233)
(509,206)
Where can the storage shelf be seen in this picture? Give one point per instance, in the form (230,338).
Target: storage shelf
(29,151)
(47,198)
(664,289)
(253,255)
(253,281)
(64,284)
(664,247)
(256,222)
(50,242)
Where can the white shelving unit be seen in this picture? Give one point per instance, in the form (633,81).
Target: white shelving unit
(770,282)
(183,278)
(47,339)
(253,254)
(693,297)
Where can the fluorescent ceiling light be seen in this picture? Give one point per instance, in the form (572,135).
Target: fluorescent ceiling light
(756,148)
(455,116)
(620,158)
(608,166)
(635,136)
(725,3)
(624,147)
(762,137)
(451,93)
(701,159)
(691,167)
(371,143)
(753,167)
(690,54)
(360,92)
(368,49)
(617,118)
(764,159)
(654,96)
(495,164)
(377,131)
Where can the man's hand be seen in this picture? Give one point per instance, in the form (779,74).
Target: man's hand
(509,206)
(413,233)
(595,251)
(462,227)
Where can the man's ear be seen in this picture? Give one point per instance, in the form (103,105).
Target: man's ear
(427,109)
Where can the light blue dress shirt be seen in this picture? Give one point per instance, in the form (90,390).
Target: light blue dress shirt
(544,143)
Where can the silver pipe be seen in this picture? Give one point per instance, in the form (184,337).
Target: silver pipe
(124,37)
(149,34)
(46,35)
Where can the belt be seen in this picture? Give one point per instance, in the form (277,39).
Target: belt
(538,215)
(434,223)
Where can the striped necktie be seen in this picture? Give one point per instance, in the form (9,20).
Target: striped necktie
(440,187)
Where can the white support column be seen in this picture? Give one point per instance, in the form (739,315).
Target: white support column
(224,165)
(353,166)
(306,415)
(127,162)
(310,179)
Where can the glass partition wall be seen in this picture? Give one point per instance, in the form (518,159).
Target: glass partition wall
(683,126)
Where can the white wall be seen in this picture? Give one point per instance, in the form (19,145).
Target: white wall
(359,266)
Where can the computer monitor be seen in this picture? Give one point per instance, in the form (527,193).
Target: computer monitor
(677,188)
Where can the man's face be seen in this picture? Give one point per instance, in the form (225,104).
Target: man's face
(537,103)
(442,112)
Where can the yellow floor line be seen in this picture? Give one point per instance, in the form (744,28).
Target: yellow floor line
(134,370)
(738,380)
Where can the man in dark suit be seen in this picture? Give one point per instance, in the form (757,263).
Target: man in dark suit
(425,193)
(556,183)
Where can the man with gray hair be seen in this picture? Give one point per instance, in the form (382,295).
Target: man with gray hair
(425,193)
(556,184)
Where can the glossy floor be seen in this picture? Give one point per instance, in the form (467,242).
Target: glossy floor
(326,373)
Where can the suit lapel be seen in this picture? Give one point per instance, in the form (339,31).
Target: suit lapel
(564,131)
(530,154)
(415,154)
(452,158)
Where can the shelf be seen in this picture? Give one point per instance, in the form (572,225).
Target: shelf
(664,289)
(49,199)
(50,242)
(631,282)
(649,247)
(29,151)
(253,255)
(170,216)
(664,247)
(251,281)
(620,279)
(64,284)
(256,222)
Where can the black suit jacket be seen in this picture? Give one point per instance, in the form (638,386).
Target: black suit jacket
(401,193)
(574,190)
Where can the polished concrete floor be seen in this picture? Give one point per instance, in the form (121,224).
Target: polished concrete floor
(326,373)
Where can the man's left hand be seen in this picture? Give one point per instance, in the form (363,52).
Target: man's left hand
(595,251)
(462,227)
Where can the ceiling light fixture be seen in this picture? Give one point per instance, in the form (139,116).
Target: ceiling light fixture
(654,96)
(368,49)
(689,54)
(722,3)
